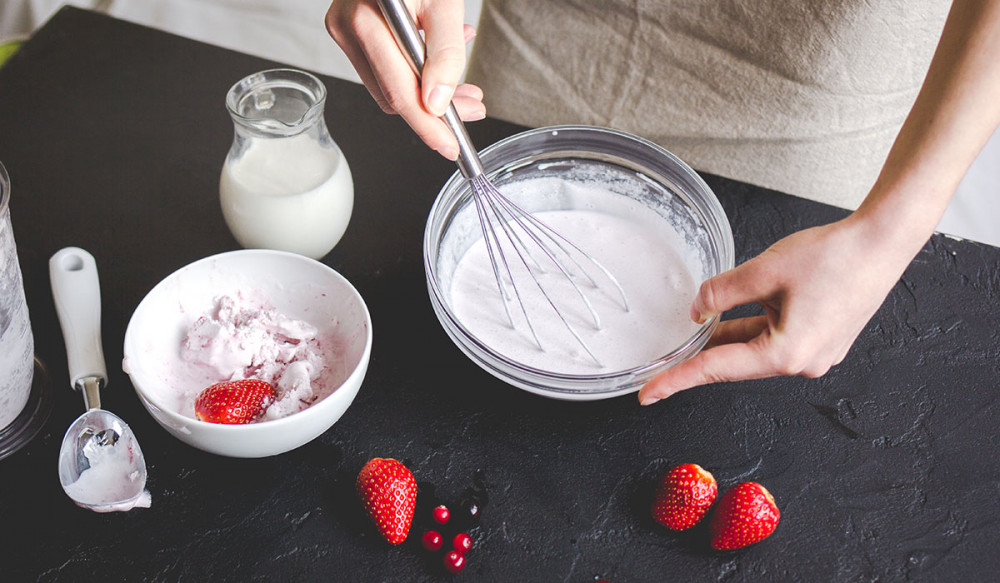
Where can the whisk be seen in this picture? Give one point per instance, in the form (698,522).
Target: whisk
(525,234)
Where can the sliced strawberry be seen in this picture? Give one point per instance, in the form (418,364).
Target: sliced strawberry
(745,515)
(684,496)
(388,494)
(234,402)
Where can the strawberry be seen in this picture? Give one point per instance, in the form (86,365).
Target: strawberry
(389,495)
(684,496)
(745,515)
(234,402)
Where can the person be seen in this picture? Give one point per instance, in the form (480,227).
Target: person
(818,287)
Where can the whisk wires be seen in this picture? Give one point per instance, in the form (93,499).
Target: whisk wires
(496,210)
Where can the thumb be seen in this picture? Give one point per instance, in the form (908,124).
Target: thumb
(444,33)
(753,281)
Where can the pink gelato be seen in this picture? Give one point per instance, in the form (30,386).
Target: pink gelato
(243,339)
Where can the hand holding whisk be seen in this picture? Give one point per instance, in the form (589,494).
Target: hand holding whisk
(504,223)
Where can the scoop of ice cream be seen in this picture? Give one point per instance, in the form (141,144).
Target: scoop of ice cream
(241,339)
(111,483)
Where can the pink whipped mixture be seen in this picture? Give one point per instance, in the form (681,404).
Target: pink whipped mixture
(243,339)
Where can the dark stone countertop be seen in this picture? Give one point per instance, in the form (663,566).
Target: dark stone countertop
(885,469)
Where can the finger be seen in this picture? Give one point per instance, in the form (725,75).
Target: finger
(469,90)
(729,362)
(469,109)
(444,35)
(738,330)
(754,281)
(399,84)
(468,102)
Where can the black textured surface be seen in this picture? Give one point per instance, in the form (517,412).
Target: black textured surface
(886,469)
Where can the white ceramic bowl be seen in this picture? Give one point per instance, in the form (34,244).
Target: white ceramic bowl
(646,173)
(296,286)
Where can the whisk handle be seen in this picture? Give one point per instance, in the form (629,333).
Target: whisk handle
(404,30)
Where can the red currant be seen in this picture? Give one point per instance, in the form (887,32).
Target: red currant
(454,562)
(432,540)
(441,514)
(462,543)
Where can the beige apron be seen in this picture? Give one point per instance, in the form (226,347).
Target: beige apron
(801,96)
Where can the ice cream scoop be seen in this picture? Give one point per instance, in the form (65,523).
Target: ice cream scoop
(101,466)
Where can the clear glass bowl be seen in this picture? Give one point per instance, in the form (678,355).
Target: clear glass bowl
(648,173)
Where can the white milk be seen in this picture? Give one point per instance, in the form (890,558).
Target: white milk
(644,259)
(288,194)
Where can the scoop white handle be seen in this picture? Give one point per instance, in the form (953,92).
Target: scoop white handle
(76,291)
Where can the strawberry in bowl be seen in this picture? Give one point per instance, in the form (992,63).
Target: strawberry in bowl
(234,402)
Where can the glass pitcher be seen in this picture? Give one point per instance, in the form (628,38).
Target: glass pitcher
(285,184)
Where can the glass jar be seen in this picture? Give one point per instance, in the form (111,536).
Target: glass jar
(16,340)
(285,184)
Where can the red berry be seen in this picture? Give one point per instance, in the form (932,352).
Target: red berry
(745,515)
(683,496)
(432,540)
(441,514)
(454,562)
(234,402)
(462,543)
(388,493)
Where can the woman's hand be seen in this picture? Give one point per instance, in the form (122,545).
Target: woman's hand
(361,31)
(818,287)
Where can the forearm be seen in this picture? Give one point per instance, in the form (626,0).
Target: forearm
(955,113)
